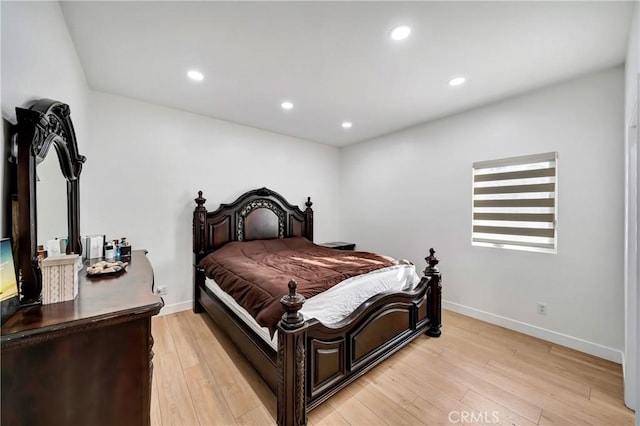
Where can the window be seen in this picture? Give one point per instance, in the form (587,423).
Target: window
(514,203)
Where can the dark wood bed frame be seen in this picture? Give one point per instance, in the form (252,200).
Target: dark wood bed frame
(313,360)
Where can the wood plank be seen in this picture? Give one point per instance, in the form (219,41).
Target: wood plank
(458,347)
(546,384)
(258,386)
(425,390)
(575,409)
(238,394)
(202,327)
(186,346)
(156,416)
(326,415)
(493,412)
(387,386)
(235,359)
(439,411)
(259,416)
(460,342)
(477,379)
(560,360)
(162,336)
(612,407)
(537,374)
(208,401)
(385,408)
(609,367)
(613,403)
(463,321)
(354,411)
(415,378)
(516,341)
(574,371)
(176,406)
(445,352)
(549,418)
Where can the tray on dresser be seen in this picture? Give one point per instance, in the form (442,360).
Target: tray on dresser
(104,268)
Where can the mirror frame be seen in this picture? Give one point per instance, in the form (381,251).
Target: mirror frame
(44,124)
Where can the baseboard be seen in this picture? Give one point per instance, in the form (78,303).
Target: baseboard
(176,307)
(581,345)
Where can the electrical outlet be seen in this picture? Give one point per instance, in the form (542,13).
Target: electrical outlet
(542,308)
(162,290)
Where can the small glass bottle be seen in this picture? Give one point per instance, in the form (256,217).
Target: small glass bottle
(125,250)
(117,249)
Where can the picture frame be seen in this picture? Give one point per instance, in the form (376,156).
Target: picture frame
(9,294)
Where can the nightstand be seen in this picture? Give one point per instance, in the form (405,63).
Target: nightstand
(340,245)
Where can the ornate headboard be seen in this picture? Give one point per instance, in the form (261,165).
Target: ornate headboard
(258,214)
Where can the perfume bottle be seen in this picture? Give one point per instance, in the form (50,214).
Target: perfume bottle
(116,247)
(109,252)
(125,250)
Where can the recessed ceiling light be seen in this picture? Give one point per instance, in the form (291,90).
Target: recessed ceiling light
(195,75)
(457,81)
(346,125)
(286,105)
(400,33)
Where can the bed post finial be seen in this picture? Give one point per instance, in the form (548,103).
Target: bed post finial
(434,305)
(200,201)
(292,303)
(292,336)
(309,219)
(432,261)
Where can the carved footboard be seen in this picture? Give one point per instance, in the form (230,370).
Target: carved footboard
(315,361)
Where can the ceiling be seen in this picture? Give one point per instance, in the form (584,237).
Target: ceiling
(335,61)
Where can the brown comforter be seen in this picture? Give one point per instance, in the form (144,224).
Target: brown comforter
(256,273)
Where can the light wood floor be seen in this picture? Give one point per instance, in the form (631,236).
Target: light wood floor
(474,373)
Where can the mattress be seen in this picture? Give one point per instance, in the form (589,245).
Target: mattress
(336,303)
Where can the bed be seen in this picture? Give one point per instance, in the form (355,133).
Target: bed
(308,360)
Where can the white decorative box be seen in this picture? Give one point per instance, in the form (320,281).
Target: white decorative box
(60,278)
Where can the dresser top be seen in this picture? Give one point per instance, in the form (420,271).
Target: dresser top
(111,298)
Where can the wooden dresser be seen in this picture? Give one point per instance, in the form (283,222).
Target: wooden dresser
(85,361)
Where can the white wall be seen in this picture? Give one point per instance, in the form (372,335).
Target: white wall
(632,287)
(411,190)
(39,60)
(148,162)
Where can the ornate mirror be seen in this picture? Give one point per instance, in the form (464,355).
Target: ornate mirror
(45,125)
(51,201)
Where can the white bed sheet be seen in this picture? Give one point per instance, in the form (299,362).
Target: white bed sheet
(336,303)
